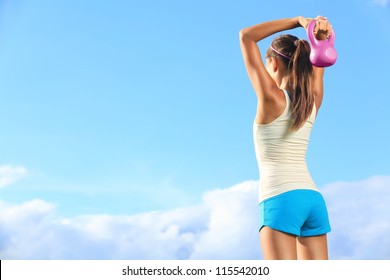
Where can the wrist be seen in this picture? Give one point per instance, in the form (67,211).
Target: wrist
(297,21)
(302,21)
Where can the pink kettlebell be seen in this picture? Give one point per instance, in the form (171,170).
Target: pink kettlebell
(323,53)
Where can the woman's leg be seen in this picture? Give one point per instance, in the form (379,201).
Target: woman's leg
(312,247)
(277,245)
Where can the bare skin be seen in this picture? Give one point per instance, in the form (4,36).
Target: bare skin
(277,245)
(268,81)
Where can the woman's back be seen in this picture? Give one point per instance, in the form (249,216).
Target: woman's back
(281,154)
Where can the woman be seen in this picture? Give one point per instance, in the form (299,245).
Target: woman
(293,216)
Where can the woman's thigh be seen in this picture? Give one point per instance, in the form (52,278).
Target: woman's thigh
(277,245)
(312,247)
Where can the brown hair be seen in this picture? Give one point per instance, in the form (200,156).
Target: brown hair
(298,62)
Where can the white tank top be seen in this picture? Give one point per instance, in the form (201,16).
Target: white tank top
(281,154)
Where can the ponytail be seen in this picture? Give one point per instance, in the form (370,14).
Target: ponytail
(295,54)
(300,81)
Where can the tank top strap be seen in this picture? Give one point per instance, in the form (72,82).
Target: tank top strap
(286,93)
(288,97)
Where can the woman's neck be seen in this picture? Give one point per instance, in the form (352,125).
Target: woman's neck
(284,83)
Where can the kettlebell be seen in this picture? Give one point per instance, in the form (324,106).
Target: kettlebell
(323,53)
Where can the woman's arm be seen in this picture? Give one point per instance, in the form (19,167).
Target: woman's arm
(322,31)
(262,82)
(318,85)
(266,29)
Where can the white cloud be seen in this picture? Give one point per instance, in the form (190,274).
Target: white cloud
(223,226)
(360,216)
(10,174)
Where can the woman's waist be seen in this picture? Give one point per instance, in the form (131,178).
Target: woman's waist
(285,174)
(283,166)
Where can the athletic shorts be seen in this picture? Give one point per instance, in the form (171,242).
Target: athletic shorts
(298,212)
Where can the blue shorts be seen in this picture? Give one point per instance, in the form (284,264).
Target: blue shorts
(298,212)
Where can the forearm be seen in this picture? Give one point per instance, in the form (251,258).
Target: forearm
(260,31)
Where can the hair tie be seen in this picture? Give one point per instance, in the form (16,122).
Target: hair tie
(279,53)
(296,42)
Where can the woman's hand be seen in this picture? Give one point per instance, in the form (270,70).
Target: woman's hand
(322,29)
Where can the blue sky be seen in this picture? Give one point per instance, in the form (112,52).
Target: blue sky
(126,107)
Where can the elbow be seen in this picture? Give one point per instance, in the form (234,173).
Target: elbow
(243,35)
(246,36)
